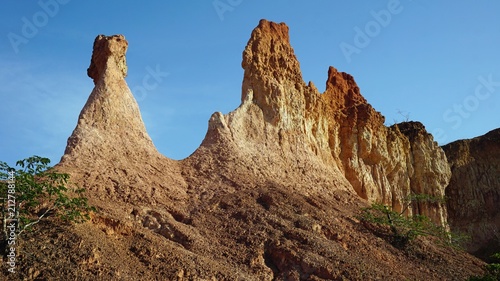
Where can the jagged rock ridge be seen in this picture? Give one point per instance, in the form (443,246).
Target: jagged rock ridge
(287,131)
(110,120)
(272,193)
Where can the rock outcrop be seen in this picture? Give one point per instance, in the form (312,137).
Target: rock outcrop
(110,144)
(273,192)
(286,131)
(474,191)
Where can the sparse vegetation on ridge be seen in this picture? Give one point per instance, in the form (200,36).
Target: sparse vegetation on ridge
(402,229)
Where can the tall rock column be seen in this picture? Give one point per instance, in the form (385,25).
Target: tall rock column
(110,150)
(110,121)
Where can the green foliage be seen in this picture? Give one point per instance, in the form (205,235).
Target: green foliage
(492,271)
(41,191)
(403,229)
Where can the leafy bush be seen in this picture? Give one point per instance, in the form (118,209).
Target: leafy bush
(40,191)
(403,229)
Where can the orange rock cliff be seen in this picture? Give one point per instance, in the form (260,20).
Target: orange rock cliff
(273,191)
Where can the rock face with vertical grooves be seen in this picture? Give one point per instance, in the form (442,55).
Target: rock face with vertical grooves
(273,192)
(474,191)
(286,131)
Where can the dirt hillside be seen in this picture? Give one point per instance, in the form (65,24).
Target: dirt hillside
(273,193)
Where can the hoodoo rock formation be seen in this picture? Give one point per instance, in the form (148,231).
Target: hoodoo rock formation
(110,144)
(474,191)
(273,192)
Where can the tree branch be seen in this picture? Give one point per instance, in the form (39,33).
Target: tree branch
(37,221)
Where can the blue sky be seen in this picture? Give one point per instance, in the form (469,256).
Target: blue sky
(437,62)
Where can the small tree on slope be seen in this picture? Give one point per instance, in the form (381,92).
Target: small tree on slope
(35,191)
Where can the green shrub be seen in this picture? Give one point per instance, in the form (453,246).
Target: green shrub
(403,229)
(39,191)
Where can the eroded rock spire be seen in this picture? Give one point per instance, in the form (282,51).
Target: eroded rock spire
(110,147)
(110,122)
(287,131)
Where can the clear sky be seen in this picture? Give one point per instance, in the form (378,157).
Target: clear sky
(437,62)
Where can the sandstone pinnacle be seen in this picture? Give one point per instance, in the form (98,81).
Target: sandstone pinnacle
(110,120)
(110,142)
